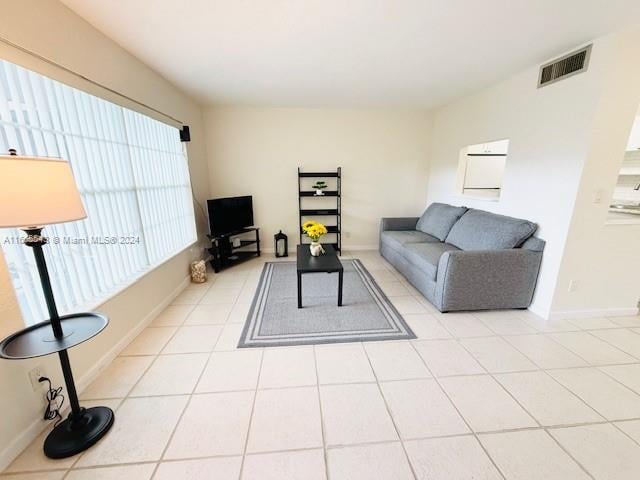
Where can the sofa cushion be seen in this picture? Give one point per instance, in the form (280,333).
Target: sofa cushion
(438,219)
(480,230)
(397,238)
(425,256)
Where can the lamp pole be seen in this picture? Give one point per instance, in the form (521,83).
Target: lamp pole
(35,240)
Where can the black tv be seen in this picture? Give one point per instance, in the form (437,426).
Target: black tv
(228,215)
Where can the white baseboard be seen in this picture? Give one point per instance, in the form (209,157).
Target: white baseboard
(603,312)
(538,312)
(273,250)
(28,435)
(20,442)
(367,247)
(83,382)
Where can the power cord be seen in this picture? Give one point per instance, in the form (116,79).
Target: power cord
(55,399)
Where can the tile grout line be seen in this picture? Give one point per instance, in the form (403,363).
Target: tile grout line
(471,430)
(616,426)
(593,336)
(253,405)
(591,332)
(181,416)
(540,426)
(126,397)
(318,385)
(363,382)
(122,400)
(388,410)
(614,378)
(235,302)
(582,400)
(322,423)
(303,449)
(176,327)
(560,346)
(569,454)
(560,426)
(195,385)
(570,391)
(490,374)
(589,365)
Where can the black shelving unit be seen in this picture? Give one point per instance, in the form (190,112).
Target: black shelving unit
(335,213)
(224,254)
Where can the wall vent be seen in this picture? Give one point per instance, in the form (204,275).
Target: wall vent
(564,67)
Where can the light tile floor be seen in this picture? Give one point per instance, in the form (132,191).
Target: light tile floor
(487,395)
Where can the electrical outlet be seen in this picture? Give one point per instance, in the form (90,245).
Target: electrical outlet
(34,374)
(573,285)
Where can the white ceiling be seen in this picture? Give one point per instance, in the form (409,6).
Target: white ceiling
(407,53)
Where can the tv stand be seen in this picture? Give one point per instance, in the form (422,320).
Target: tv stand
(224,254)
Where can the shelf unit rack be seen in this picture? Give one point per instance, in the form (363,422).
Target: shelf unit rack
(307,213)
(223,254)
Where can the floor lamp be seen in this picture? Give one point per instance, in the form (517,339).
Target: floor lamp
(35,192)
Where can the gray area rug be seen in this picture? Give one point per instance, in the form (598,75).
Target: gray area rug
(275,319)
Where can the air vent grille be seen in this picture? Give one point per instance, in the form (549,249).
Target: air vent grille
(561,68)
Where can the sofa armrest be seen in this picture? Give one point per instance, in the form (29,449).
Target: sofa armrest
(487,279)
(398,223)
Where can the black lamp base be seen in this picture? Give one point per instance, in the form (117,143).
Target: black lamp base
(78,432)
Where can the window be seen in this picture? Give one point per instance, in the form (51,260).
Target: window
(133,176)
(481,168)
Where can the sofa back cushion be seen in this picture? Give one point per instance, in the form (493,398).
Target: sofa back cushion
(438,219)
(480,230)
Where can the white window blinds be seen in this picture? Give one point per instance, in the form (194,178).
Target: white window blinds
(132,174)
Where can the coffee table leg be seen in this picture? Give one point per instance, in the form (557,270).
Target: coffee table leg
(299,290)
(340,288)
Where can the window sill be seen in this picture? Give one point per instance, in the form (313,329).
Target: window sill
(121,288)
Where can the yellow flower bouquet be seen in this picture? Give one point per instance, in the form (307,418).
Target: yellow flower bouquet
(314,231)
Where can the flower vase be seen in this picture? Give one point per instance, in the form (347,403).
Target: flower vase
(316,249)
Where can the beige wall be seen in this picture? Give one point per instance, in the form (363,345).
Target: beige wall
(49,29)
(550,132)
(383,155)
(603,261)
(547,130)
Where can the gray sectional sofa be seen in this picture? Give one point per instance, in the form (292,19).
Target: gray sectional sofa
(465,259)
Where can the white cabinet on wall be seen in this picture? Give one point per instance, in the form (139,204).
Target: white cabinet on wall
(499,147)
(481,169)
(484,172)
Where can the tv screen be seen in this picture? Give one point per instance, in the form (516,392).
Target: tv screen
(228,215)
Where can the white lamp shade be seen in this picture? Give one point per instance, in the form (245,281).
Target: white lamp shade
(37,191)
